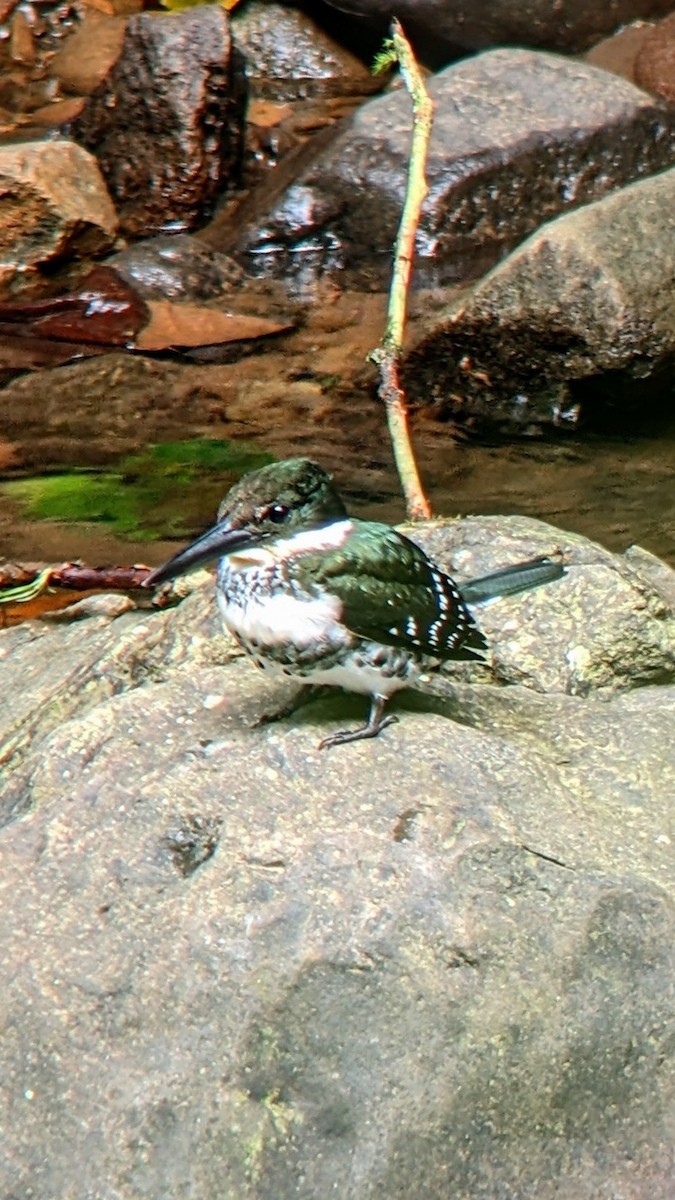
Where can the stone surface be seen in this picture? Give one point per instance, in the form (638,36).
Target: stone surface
(607,625)
(588,294)
(441,29)
(655,63)
(176,268)
(54,205)
(287,56)
(437,964)
(165,124)
(518,137)
(91,412)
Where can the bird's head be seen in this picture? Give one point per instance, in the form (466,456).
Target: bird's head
(275,502)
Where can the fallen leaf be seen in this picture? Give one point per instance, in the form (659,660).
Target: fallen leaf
(266,113)
(104,310)
(103,6)
(195,325)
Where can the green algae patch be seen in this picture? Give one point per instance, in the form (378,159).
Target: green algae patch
(169,490)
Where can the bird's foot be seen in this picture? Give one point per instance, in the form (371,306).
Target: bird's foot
(374,725)
(356,735)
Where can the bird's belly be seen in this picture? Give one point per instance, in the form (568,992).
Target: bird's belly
(270,624)
(354,675)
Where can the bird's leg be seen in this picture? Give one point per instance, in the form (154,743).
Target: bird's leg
(375,723)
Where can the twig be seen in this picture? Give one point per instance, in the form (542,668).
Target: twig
(20,583)
(387,356)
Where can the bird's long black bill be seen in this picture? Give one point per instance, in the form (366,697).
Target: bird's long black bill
(511,580)
(216,542)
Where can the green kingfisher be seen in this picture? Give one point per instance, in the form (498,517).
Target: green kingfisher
(329,599)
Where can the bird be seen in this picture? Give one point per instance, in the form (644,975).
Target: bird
(329,599)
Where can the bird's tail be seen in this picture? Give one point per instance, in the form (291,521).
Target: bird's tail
(510,580)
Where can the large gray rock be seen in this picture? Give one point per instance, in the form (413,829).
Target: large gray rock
(437,964)
(590,293)
(518,137)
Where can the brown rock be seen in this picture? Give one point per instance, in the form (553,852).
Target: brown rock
(618,53)
(588,295)
(54,203)
(289,57)
(441,29)
(655,64)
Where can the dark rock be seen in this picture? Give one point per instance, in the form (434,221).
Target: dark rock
(518,137)
(287,56)
(438,964)
(165,124)
(178,267)
(589,297)
(443,29)
(54,205)
(655,63)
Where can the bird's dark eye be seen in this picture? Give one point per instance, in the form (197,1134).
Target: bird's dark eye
(276,513)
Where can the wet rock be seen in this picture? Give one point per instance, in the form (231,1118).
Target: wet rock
(55,205)
(165,124)
(518,137)
(288,56)
(655,63)
(442,29)
(437,964)
(589,297)
(178,267)
(91,412)
(89,53)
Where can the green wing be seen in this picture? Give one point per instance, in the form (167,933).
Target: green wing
(392,593)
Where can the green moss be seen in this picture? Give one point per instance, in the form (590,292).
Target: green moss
(169,490)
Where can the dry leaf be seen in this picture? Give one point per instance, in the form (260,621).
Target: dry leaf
(194,325)
(267,114)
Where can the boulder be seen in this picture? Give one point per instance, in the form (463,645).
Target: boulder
(165,123)
(436,964)
(518,137)
(589,295)
(442,29)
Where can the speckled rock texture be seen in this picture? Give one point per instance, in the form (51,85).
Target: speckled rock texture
(437,964)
